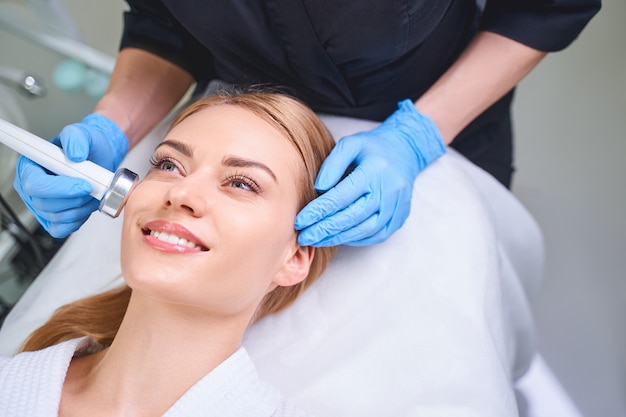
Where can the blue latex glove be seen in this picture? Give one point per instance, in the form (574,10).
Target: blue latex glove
(62,204)
(374,200)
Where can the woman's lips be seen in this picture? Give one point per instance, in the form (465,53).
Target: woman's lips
(168,236)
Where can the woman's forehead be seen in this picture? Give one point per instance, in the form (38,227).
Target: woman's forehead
(237,131)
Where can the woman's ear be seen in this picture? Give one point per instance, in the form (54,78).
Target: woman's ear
(296,266)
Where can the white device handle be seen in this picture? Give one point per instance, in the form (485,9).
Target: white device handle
(108,187)
(52,158)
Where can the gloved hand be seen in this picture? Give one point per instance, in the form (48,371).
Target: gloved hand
(374,200)
(62,204)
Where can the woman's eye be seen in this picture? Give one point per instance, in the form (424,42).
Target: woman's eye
(163,164)
(167,166)
(243,183)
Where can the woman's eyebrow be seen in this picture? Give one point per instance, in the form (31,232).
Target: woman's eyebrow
(234,161)
(179,146)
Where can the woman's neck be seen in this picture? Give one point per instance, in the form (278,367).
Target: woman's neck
(160,351)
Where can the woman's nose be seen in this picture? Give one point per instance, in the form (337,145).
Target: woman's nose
(189,194)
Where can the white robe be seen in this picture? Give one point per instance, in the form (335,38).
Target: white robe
(31,384)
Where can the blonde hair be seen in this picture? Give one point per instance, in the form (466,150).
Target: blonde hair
(100,316)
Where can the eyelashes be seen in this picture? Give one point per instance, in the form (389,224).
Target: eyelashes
(236,179)
(243,182)
(163,163)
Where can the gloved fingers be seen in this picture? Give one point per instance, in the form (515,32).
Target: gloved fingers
(63,224)
(32,180)
(107,143)
(391,215)
(57,205)
(390,222)
(95,138)
(354,215)
(338,161)
(75,142)
(386,219)
(345,237)
(76,214)
(371,231)
(63,230)
(378,237)
(349,190)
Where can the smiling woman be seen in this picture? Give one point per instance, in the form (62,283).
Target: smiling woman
(208,246)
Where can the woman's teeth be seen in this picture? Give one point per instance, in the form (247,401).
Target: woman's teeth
(174,240)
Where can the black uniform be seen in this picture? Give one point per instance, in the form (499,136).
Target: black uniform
(353,58)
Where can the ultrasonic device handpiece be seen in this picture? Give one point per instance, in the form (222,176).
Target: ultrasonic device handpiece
(111,189)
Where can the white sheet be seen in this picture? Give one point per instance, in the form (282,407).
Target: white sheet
(541,395)
(433,322)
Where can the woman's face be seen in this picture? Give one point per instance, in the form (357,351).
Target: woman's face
(211,224)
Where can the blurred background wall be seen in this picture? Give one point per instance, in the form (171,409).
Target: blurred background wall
(570,127)
(570,124)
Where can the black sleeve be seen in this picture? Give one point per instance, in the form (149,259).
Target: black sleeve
(546,25)
(150,26)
